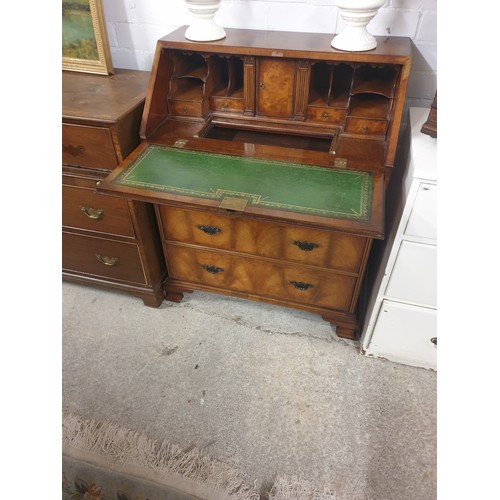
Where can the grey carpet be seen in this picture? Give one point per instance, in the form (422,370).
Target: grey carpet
(269,390)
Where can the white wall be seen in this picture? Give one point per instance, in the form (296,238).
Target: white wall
(134,26)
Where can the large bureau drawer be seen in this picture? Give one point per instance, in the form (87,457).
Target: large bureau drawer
(102,257)
(83,208)
(303,245)
(88,146)
(260,277)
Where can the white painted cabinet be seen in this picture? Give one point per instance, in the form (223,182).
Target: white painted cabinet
(401,319)
(413,276)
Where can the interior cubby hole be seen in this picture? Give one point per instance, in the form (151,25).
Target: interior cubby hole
(369,105)
(330,84)
(379,79)
(189,65)
(230,71)
(187,89)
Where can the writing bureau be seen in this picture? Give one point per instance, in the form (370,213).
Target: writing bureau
(266,156)
(107,241)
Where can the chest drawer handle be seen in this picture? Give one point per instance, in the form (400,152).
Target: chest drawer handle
(73,150)
(434,340)
(305,245)
(213,269)
(107,261)
(211,230)
(93,213)
(300,285)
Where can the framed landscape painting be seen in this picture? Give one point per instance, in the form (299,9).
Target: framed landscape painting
(84,40)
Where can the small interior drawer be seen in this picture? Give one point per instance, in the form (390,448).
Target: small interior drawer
(260,277)
(185,108)
(423,217)
(83,208)
(302,245)
(364,126)
(88,146)
(102,257)
(326,115)
(226,104)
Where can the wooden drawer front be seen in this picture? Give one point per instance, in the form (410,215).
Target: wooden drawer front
(323,248)
(101,257)
(88,146)
(302,245)
(83,208)
(226,104)
(368,127)
(185,108)
(423,217)
(330,115)
(260,277)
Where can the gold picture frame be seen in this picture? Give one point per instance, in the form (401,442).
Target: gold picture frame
(85,45)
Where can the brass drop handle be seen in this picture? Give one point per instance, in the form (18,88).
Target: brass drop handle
(184,109)
(326,115)
(364,129)
(92,213)
(107,261)
(305,245)
(300,285)
(261,85)
(434,340)
(225,106)
(211,230)
(213,269)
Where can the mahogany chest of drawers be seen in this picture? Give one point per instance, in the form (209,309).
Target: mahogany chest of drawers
(107,240)
(266,156)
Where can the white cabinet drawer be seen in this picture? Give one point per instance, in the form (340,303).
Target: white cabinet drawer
(422,221)
(404,334)
(414,276)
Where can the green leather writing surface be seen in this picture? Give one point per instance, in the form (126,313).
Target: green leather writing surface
(289,186)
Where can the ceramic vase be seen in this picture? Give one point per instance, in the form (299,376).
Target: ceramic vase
(356,15)
(204,28)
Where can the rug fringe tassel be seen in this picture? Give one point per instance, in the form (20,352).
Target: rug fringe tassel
(132,453)
(292,488)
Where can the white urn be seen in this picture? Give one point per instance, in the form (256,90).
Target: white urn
(356,15)
(203,27)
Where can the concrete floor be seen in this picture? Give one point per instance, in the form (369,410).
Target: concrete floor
(267,389)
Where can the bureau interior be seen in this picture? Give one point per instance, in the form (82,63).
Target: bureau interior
(336,91)
(305,104)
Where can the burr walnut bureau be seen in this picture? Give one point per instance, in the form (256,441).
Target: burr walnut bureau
(266,156)
(107,240)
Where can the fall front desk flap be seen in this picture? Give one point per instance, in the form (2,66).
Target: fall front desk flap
(240,183)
